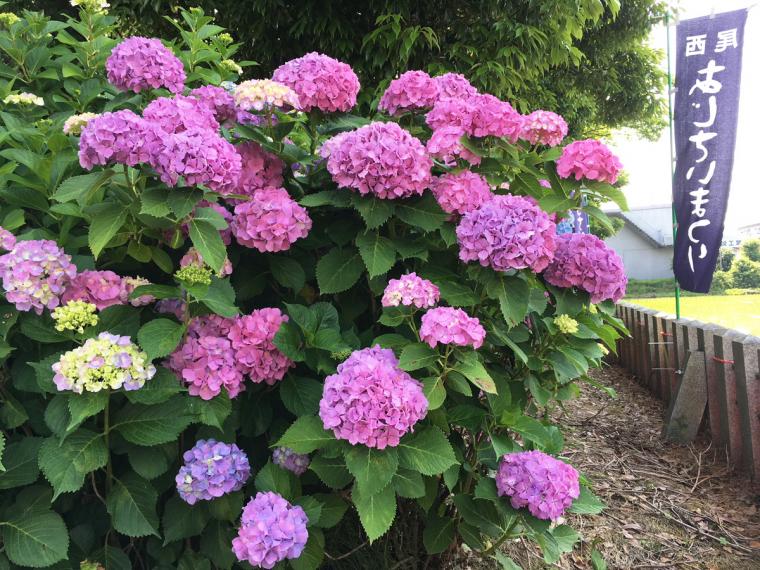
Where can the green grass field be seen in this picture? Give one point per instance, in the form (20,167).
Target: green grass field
(740,312)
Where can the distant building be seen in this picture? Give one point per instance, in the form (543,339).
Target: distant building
(750,231)
(646,242)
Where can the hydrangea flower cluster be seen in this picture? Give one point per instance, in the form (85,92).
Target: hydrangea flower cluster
(7,19)
(122,137)
(461,192)
(381,159)
(108,361)
(271,530)
(194,274)
(211,469)
(451,113)
(507,232)
(449,325)
(543,127)
(264,95)
(411,90)
(201,157)
(410,289)
(320,81)
(24,99)
(7,239)
(35,274)
(261,169)
(75,123)
(101,288)
(271,222)
(180,113)
(141,63)
(290,460)
(590,159)
(566,324)
(193,257)
(585,261)
(370,400)
(454,86)
(176,307)
(218,101)
(252,339)
(490,116)
(446,145)
(75,316)
(533,479)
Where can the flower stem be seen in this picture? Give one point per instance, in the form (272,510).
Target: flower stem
(106,430)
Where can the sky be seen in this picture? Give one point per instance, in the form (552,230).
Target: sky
(648,163)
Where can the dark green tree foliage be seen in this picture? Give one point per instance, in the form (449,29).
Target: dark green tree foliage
(745,274)
(588,60)
(751,249)
(726,259)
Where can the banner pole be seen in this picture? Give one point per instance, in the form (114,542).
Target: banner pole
(672,160)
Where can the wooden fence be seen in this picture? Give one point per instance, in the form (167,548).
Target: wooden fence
(707,375)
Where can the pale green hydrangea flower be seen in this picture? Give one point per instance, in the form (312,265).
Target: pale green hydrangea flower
(75,316)
(566,324)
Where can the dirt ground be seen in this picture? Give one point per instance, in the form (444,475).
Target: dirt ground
(669,506)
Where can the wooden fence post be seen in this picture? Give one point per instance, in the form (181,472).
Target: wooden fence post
(748,400)
(730,426)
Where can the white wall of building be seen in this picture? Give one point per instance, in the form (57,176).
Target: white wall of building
(642,259)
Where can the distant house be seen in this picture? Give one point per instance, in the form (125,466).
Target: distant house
(646,242)
(750,231)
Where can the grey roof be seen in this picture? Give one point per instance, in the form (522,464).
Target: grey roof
(653,223)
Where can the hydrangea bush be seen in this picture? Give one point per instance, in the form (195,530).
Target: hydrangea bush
(242,326)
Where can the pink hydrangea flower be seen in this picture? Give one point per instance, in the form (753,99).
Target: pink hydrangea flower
(252,339)
(194,257)
(507,232)
(586,262)
(381,159)
(35,274)
(205,360)
(218,101)
(589,159)
(132,283)
(533,479)
(7,239)
(179,113)
(261,169)
(451,113)
(461,192)
(445,145)
(370,400)
(175,307)
(101,288)
(454,86)
(321,82)
(271,222)
(139,63)
(543,127)
(411,90)
(271,530)
(410,289)
(211,469)
(545,183)
(492,117)
(121,137)
(200,157)
(449,325)
(290,460)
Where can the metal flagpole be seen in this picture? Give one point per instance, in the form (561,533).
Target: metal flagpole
(672,158)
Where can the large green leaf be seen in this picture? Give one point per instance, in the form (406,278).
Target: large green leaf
(372,468)
(301,395)
(20,459)
(338,270)
(409,484)
(107,219)
(587,503)
(158,389)
(81,188)
(160,337)
(378,253)
(313,553)
(132,506)
(148,462)
(331,470)
(287,272)
(305,435)
(374,211)
(416,356)
(208,242)
(472,369)
(424,213)
(181,520)
(333,509)
(65,464)
(85,405)
(153,425)
(426,450)
(438,534)
(376,511)
(276,479)
(35,539)
(513,295)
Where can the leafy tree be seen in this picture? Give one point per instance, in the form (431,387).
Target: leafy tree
(745,274)
(588,60)
(751,249)
(726,258)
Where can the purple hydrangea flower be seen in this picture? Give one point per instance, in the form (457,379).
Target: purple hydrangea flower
(290,460)
(140,63)
(507,232)
(410,289)
(271,530)
(101,288)
(370,400)
(179,114)
(538,481)
(586,262)
(320,82)
(461,192)
(7,240)
(381,159)
(449,325)
(260,169)
(35,274)
(121,137)
(454,86)
(271,222)
(211,469)
(491,117)
(411,90)
(218,101)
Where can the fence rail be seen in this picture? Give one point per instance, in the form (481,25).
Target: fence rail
(707,375)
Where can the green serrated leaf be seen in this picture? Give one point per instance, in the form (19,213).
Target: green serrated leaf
(372,469)
(417,355)
(587,503)
(181,520)
(158,389)
(107,220)
(377,252)
(374,211)
(331,470)
(301,395)
(424,213)
(65,464)
(376,511)
(208,242)
(132,506)
(148,462)
(36,539)
(153,425)
(338,270)
(472,369)
(426,450)
(287,272)
(160,337)
(305,435)
(409,484)
(20,459)
(438,534)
